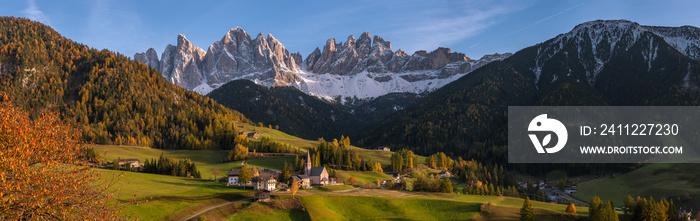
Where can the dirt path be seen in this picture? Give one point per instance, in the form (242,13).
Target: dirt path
(342,191)
(214,207)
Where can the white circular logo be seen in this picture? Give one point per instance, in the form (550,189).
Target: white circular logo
(542,123)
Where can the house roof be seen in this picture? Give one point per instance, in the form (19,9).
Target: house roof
(129,160)
(236,172)
(263,178)
(299,177)
(316,171)
(233,172)
(444,172)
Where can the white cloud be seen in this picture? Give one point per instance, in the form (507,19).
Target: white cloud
(115,27)
(32,12)
(449,24)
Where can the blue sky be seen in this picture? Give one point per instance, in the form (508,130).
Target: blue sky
(471,27)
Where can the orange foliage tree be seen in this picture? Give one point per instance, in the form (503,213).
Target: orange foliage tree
(42,173)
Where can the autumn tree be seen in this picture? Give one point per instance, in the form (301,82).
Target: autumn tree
(571,209)
(378,167)
(352,180)
(42,175)
(294,188)
(246,175)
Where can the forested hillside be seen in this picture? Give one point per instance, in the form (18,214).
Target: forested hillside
(113,99)
(287,109)
(468,117)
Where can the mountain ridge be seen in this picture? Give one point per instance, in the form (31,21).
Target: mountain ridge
(365,68)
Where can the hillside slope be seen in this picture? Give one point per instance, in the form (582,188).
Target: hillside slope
(597,63)
(114,100)
(291,110)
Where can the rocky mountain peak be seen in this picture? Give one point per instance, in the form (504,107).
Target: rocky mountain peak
(400,53)
(589,47)
(149,58)
(350,43)
(368,59)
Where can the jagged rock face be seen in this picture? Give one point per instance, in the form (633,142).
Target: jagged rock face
(237,56)
(180,64)
(149,58)
(363,68)
(375,55)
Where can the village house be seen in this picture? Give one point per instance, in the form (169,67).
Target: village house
(445,174)
(243,133)
(684,213)
(317,175)
(263,196)
(129,163)
(233,175)
(264,182)
(254,135)
(304,181)
(383,148)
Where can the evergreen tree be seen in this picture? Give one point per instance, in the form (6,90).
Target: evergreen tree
(527,213)
(594,209)
(609,213)
(446,185)
(630,205)
(286,173)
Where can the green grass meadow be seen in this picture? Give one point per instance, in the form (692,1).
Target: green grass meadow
(156,197)
(361,177)
(657,180)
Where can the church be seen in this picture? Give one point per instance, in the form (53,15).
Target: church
(317,175)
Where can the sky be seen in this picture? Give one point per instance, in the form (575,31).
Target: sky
(473,27)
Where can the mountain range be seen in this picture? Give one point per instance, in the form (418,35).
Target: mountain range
(362,68)
(604,62)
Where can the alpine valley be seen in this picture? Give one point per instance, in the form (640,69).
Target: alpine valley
(355,130)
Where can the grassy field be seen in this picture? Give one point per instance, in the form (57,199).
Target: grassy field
(280,136)
(362,177)
(165,197)
(425,206)
(657,180)
(332,188)
(204,159)
(261,211)
(344,208)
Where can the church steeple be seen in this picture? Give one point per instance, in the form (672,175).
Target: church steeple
(307,167)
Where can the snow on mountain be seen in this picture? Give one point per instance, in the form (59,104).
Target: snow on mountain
(365,68)
(685,39)
(596,42)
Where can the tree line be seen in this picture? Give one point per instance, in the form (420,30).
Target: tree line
(336,155)
(243,148)
(170,166)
